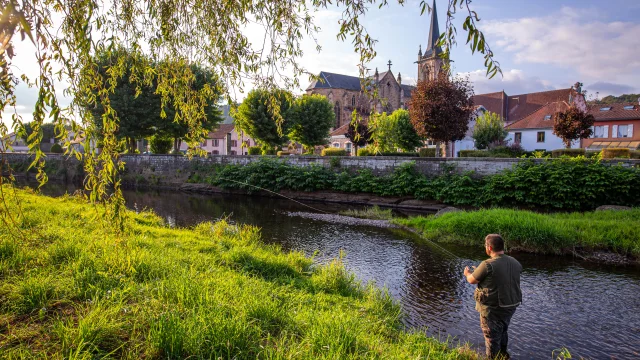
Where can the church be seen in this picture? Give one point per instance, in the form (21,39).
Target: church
(346,92)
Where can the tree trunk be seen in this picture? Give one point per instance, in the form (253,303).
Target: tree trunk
(438,154)
(445,149)
(132,145)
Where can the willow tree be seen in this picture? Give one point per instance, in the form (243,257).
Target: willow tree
(67,33)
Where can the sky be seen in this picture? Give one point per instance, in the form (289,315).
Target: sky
(540,45)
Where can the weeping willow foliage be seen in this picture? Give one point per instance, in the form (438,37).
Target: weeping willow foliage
(162,39)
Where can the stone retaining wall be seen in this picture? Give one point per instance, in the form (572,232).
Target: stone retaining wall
(173,170)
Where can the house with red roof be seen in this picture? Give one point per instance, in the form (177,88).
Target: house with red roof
(616,126)
(225,140)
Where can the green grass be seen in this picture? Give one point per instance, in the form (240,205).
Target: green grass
(70,288)
(373,212)
(617,231)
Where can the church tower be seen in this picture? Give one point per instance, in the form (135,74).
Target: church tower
(430,63)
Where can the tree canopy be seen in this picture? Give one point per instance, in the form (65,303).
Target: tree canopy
(489,130)
(311,117)
(358,131)
(440,109)
(255,116)
(572,124)
(405,136)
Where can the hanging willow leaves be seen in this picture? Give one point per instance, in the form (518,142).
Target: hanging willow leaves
(166,38)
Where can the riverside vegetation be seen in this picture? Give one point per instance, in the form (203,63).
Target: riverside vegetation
(558,233)
(72,289)
(558,184)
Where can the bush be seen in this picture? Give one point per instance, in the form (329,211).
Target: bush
(403,154)
(365,152)
(427,152)
(333,152)
(283,153)
(513,150)
(160,144)
(635,154)
(592,154)
(268,152)
(615,153)
(56,149)
(255,150)
(568,152)
(473,153)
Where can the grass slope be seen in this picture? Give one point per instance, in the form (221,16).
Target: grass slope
(617,231)
(71,289)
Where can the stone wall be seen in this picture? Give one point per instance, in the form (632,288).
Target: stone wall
(172,170)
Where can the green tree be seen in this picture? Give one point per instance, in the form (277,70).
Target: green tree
(406,137)
(48,131)
(160,144)
(489,130)
(440,109)
(358,131)
(572,125)
(311,118)
(382,129)
(259,115)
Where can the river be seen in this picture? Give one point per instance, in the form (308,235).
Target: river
(593,310)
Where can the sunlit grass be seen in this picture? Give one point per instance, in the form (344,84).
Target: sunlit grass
(72,289)
(617,231)
(373,212)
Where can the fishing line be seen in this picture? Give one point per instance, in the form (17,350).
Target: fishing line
(273,192)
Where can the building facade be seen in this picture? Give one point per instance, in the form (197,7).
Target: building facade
(616,126)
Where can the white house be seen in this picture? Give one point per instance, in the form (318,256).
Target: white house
(535,131)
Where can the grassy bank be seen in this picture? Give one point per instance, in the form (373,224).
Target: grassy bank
(72,289)
(616,231)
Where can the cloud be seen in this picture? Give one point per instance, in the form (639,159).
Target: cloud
(607,88)
(513,82)
(571,38)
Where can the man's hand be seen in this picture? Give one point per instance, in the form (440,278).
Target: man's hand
(468,274)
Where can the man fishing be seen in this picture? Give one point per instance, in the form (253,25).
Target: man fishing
(497,296)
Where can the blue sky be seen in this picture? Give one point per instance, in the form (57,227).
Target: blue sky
(541,45)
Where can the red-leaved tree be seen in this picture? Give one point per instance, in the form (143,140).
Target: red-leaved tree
(572,124)
(358,131)
(440,109)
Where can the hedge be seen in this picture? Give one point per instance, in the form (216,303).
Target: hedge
(635,154)
(255,150)
(333,152)
(615,153)
(404,154)
(427,152)
(474,153)
(283,153)
(365,152)
(268,152)
(56,149)
(568,152)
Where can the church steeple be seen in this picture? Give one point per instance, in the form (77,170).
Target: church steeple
(434,33)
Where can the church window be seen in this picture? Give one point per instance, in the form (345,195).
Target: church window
(353,101)
(336,110)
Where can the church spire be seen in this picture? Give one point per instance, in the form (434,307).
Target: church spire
(434,33)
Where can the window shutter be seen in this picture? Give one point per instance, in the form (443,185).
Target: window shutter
(630,130)
(615,131)
(606,132)
(593,132)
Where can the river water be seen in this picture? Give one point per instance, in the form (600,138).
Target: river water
(593,310)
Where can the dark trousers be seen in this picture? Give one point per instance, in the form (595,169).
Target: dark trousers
(495,324)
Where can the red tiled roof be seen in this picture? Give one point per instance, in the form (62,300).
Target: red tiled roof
(221,132)
(617,112)
(342,130)
(516,107)
(536,120)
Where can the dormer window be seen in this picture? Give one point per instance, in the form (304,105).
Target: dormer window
(547,117)
(630,107)
(605,108)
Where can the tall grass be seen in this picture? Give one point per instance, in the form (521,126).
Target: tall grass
(617,231)
(71,289)
(372,212)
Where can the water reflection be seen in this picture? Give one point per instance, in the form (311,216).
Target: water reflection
(591,309)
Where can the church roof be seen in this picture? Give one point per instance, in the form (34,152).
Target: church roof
(336,81)
(434,34)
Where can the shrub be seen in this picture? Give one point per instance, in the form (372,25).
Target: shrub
(513,150)
(489,130)
(474,153)
(268,152)
(333,152)
(283,153)
(160,144)
(615,153)
(365,152)
(592,154)
(392,153)
(255,150)
(56,149)
(634,154)
(568,152)
(427,152)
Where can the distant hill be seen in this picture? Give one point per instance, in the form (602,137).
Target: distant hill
(626,98)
